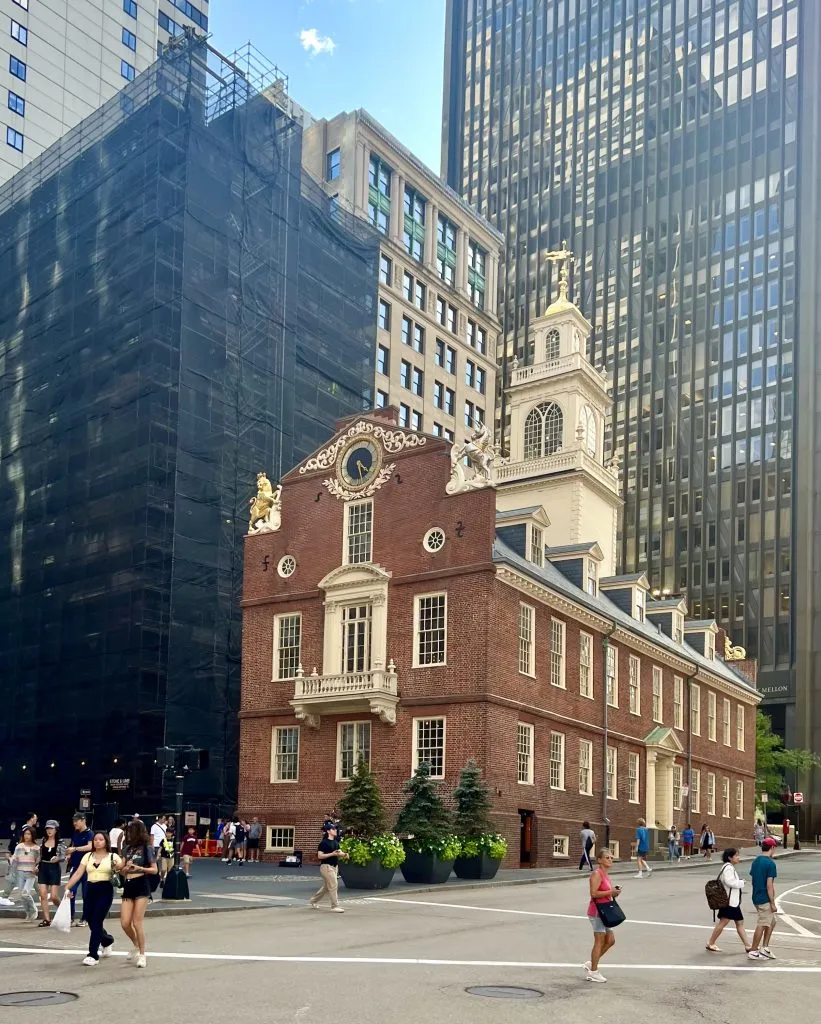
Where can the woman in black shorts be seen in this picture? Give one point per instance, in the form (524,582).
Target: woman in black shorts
(49,872)
(140,863)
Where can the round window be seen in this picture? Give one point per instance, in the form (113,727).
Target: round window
(434,539)
(287,566)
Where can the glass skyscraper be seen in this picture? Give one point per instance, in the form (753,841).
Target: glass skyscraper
(674,144)
(180,308)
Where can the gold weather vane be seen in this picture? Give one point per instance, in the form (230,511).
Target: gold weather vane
(563,257)
(732,653)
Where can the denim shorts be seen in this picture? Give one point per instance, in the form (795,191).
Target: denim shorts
(597,924)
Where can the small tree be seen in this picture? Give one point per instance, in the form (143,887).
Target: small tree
(362,809)
(772,761)
(424,817)
(473,803)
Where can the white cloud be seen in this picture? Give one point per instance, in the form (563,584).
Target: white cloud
(314,43)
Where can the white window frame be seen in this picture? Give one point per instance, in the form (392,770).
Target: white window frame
(725,796)
(558,648)
(612,774)
(678,783)
(726,712)
(739,800)
(739,727)
(346,536)
(633,777)
(709,646)
(640,604)
(536,545)
(356,723)
(557,739)
(634,684)
(711,716)
(415,760)
(271,847)
(678,627)
(276,763)
(695,709)
(586,665)
(591,581)
(524,753)
(658,695)
(614,848)
(678,702)
(561,847)
(587,746)
(695,791)
(277,660)
(527,645)
(417,637)
(611,678)
(711,793)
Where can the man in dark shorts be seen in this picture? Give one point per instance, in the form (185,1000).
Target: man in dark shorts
(254,836)
(329,854)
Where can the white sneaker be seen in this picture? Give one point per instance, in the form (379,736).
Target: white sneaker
(649,871)
(596,976)
(639,875)
(90,961)
(337,910)
(132,956)
(6,903)
(106,950)
(765,952)
(141,961)
(312,905)
(587,965)
(755,955)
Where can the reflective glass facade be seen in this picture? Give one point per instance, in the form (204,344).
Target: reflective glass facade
(179,309)
(661,139)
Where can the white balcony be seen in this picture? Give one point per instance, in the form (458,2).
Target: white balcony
(563,461)
(555,367)
(375,691)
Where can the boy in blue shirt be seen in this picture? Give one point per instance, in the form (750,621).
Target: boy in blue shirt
(763,872)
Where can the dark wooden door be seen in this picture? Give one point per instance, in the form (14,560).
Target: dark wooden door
(527,842)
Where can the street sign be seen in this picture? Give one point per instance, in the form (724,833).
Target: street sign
(205,821)
(190,818)
(118,785)
(798,798)
(685,791)
(765,798)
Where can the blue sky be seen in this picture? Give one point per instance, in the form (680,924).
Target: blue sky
(383,55)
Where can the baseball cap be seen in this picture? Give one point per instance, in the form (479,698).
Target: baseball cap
(51,823)
(768,843)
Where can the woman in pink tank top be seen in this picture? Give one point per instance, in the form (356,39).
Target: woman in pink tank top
(601,890)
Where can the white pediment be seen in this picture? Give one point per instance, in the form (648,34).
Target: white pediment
(664,739)
(345,577)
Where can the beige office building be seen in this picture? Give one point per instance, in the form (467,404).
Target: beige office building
(60,60)
(438,327)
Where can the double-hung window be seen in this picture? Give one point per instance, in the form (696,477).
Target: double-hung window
(678,702)
(586,665)
(633,778)
(557,653)
(527,619)
(658,695)
(612,769)
(285,754)
(429,745)
(357,629)
(358,532)
(379,194)
(476,274)
(353,745)
(557,760)
(677,784)
(711,716)
(287,645)
(695,709)
(612,676)
(634,680)
(725,797)
(725,722)
(431,629)
(524,753)
(711,793)
(586,767)
(413,234)
(739,727)
(446,251)
(695,791)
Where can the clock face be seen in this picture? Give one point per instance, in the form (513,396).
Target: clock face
(360,463)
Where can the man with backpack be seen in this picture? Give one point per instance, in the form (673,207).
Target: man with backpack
(764,872)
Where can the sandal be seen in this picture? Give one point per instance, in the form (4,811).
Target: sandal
(45,924)
(712,949)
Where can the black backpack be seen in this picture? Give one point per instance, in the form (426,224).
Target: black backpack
(717,898)
(153,880)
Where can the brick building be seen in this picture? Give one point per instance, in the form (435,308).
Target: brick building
(406,608)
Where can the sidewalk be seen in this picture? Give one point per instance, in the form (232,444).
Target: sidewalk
(217,887)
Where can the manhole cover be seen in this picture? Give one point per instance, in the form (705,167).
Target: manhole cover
(36,998)
(504,992)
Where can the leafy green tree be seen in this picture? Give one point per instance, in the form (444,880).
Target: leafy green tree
(362,809)
(473,803)
(773,762)
(424,816)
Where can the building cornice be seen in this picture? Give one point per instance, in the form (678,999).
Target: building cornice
(736,690)
(518,581)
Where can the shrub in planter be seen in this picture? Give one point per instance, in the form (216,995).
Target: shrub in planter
(483,849)
(374,854)
(425,825)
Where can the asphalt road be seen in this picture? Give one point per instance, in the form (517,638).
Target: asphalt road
(409,957)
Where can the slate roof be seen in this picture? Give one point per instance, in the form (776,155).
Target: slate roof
(632,577)
(550,576)
(517,513)
(570,549)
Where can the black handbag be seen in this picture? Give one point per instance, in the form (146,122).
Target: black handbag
(611,914)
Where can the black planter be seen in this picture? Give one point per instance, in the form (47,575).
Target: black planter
(425,868)
(482,867)
(366,876)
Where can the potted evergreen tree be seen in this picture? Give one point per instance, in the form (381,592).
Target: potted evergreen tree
(426,829)
(482,848)
(373,854)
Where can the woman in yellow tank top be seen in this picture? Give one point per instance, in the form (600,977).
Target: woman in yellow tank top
(99,866)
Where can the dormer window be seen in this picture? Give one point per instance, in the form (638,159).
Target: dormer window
(678,627)
(709,646)
(640,603)
(536,546)
(592,585)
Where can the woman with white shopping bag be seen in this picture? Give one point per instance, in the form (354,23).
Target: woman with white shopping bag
(100,867)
